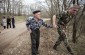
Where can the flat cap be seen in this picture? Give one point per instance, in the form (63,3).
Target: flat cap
(36,11)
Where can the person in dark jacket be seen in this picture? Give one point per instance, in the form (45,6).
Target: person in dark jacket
(8,22)
(13,22)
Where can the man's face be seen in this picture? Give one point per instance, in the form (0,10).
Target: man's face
(37,15)
(73,11)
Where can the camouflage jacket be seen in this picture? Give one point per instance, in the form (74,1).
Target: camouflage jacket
(63,18)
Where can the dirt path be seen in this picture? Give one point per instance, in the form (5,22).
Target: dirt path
(17,42)
(8,35)
(11,39)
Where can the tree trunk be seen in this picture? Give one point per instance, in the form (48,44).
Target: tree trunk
(74,26)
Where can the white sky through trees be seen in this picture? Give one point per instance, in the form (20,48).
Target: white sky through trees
(27,2)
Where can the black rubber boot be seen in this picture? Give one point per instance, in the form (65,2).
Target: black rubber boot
(70,51)
(55,47)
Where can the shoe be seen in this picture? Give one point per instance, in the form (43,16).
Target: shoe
(72,53)
(37,52)
(55,48)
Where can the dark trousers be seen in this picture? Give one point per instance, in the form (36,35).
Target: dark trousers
(8,24)
(13,25)
(35,37)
